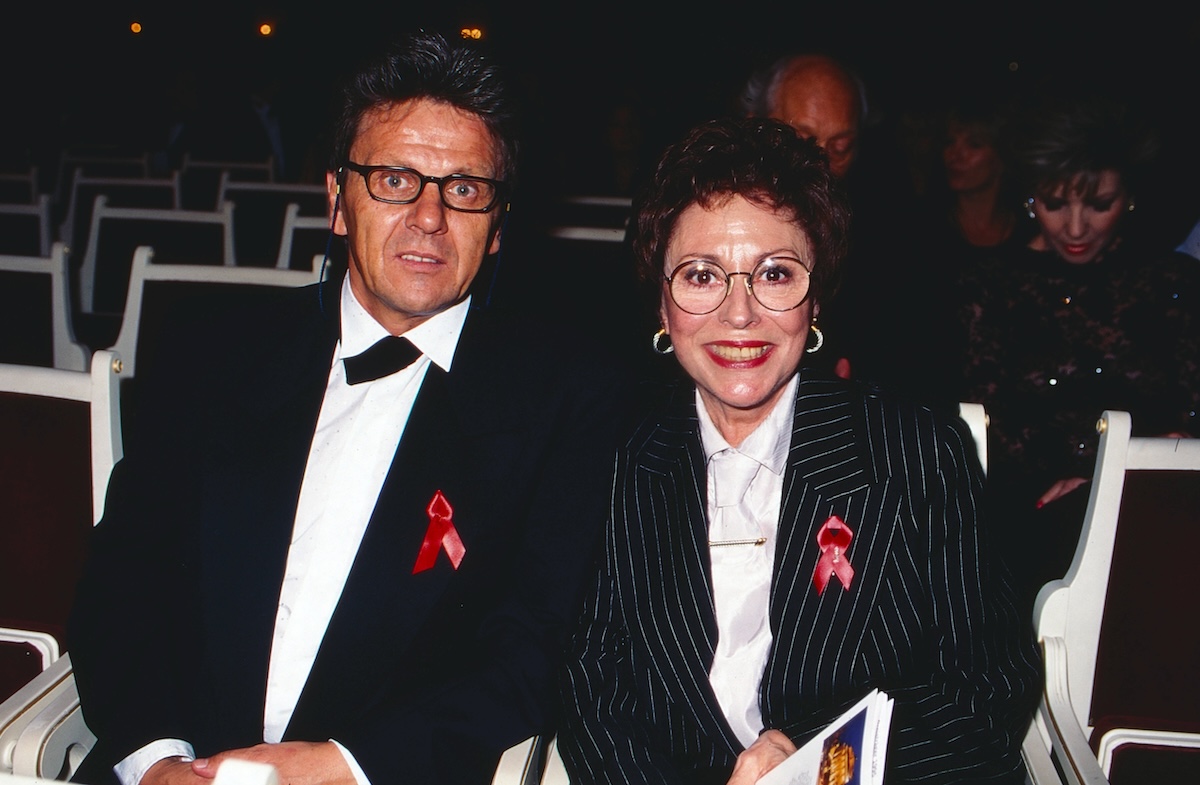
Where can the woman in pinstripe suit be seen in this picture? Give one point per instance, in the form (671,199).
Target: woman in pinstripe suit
(780,543)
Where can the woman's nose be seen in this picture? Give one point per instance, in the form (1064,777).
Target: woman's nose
(1076,222)
(739,306)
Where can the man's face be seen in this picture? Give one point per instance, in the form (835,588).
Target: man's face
(823,107)
(411,261)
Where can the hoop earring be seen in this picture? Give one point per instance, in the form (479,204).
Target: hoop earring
(1029,207)
(820,339)
(654,342)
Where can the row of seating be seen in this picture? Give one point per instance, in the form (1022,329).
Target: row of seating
(39,326)
(258,210)
(198,176)
(239,217)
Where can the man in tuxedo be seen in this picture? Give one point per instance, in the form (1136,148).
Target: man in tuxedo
(350,530)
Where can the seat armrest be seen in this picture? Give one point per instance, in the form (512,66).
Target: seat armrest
(1070,741)
(25,704)
(56,739)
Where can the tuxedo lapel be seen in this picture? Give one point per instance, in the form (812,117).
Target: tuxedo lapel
(428,459)
(250,503)
(445,447)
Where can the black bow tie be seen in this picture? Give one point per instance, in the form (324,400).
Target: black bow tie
(387,356)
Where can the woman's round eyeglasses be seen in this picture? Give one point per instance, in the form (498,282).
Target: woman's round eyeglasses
(778,283)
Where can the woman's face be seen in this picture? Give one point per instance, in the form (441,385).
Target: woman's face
(741,355)
(1076,226)
(972,162)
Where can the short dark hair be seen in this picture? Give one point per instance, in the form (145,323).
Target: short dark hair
(428,66)
(1072,140)
(761,160)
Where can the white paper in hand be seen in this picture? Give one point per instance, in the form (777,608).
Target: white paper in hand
(852,749)
(243,772)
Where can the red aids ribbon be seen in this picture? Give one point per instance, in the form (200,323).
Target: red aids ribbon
(834,537)
(440,534)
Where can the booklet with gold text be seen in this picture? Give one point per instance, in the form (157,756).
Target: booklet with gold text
(850,751)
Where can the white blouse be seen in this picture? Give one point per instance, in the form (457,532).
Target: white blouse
(745,486)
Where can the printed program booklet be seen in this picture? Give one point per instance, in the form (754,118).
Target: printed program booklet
(850,751)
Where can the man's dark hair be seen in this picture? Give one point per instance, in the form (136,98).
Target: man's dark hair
(761,160)
(428,66)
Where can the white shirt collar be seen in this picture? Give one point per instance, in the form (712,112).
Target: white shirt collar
(436,337)
(768,443)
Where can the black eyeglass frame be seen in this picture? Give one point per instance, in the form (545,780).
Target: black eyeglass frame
(366,171)
(667,279)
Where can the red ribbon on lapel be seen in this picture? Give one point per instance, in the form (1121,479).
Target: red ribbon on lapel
(833,537)
(440,534)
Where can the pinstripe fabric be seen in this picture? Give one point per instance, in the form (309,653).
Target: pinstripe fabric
(928,618)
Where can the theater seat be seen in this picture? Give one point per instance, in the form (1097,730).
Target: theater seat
(59,439)
(155,288)
(1121,646)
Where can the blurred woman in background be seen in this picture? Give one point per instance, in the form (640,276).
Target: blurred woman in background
(1084,317)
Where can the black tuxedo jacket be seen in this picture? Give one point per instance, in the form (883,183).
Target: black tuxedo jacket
(424,678)
(927,616)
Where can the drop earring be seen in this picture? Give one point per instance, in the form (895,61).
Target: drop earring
(656,342)
(816,331)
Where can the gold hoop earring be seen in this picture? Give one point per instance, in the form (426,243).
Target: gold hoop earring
(820,339)
(655,342)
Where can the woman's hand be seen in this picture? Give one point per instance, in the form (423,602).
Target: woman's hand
(1059,490)
(768,751)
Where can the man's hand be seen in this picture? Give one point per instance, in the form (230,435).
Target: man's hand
(171,771)
(298,762)
(767,752)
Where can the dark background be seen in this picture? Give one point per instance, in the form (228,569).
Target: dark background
(73,74)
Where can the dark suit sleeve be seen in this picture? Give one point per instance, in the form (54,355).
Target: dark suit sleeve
(967,723)
(605,735)
(132,634)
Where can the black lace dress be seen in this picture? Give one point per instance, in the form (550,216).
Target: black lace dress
(1051,346)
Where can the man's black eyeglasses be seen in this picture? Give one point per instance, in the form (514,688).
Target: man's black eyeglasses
(402,185)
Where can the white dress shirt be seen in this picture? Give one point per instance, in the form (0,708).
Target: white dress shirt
(745,487)
(357,433)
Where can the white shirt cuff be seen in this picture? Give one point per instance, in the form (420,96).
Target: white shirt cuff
(131,770)
(359,775)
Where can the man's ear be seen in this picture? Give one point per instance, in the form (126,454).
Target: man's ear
(333,195)
(494,247)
